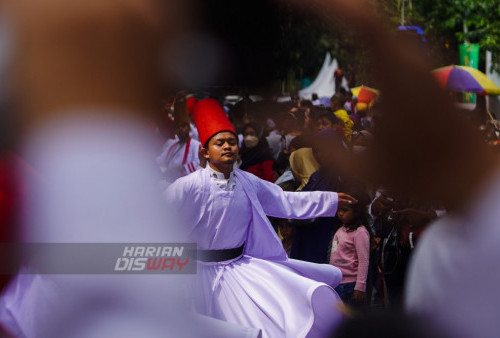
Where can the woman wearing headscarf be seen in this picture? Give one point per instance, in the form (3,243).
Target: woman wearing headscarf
(303,165)
(312,238)
(336,105)
(256,156)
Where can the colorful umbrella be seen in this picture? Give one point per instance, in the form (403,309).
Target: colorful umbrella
(365,94)
(465,79)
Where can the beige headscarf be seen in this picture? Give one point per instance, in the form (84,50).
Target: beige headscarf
(303,164)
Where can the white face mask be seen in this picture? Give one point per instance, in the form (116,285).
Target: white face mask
(358,149)
(250,141)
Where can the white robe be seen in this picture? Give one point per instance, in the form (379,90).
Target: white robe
(99,189)
(453,278)
(263,289)
(177,161)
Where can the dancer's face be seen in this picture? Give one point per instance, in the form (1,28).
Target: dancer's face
(222,148)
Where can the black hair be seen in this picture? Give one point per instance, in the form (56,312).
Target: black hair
(327,115)
(298,114)
(306,104)
(301,141)
(315,111)
(291,122)
(255,126)
(340,97)
(342,90)
(360,210)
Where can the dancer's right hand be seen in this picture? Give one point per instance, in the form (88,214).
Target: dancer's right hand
(346,200)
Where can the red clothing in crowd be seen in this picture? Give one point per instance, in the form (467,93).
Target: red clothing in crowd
(263,170)
(8,201)
(16,178)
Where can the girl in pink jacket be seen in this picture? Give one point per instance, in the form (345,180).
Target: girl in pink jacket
(351,253)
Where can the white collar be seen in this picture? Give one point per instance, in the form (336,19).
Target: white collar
(219,179)
(219,175)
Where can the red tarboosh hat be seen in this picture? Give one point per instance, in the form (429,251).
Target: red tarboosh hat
(190,102)
(210,119)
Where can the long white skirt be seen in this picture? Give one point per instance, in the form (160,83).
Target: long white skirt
(267,295)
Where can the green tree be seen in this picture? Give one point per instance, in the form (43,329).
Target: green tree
(305,39)
(303,45)
(451,22)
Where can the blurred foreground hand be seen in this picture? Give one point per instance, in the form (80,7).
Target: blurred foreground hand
(86,54)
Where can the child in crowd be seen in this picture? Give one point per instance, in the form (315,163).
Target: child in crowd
(351,252)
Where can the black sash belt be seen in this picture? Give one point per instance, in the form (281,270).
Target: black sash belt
(220,255)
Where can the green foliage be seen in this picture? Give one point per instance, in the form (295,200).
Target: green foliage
(303,45)
(305,40)
(444,21)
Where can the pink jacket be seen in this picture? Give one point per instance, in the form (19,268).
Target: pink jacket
(351,254)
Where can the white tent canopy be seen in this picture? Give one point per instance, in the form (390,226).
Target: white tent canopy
(324,84)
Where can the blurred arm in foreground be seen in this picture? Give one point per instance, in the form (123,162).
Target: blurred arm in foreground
(86,76)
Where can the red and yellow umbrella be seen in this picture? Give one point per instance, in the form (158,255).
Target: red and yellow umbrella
(365,94)
(465,79)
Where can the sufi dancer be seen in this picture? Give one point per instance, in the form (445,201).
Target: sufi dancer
(244,275)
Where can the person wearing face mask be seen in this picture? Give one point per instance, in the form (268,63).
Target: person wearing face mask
(256,155)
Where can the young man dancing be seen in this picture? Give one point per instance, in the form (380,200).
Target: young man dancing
(244,275)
